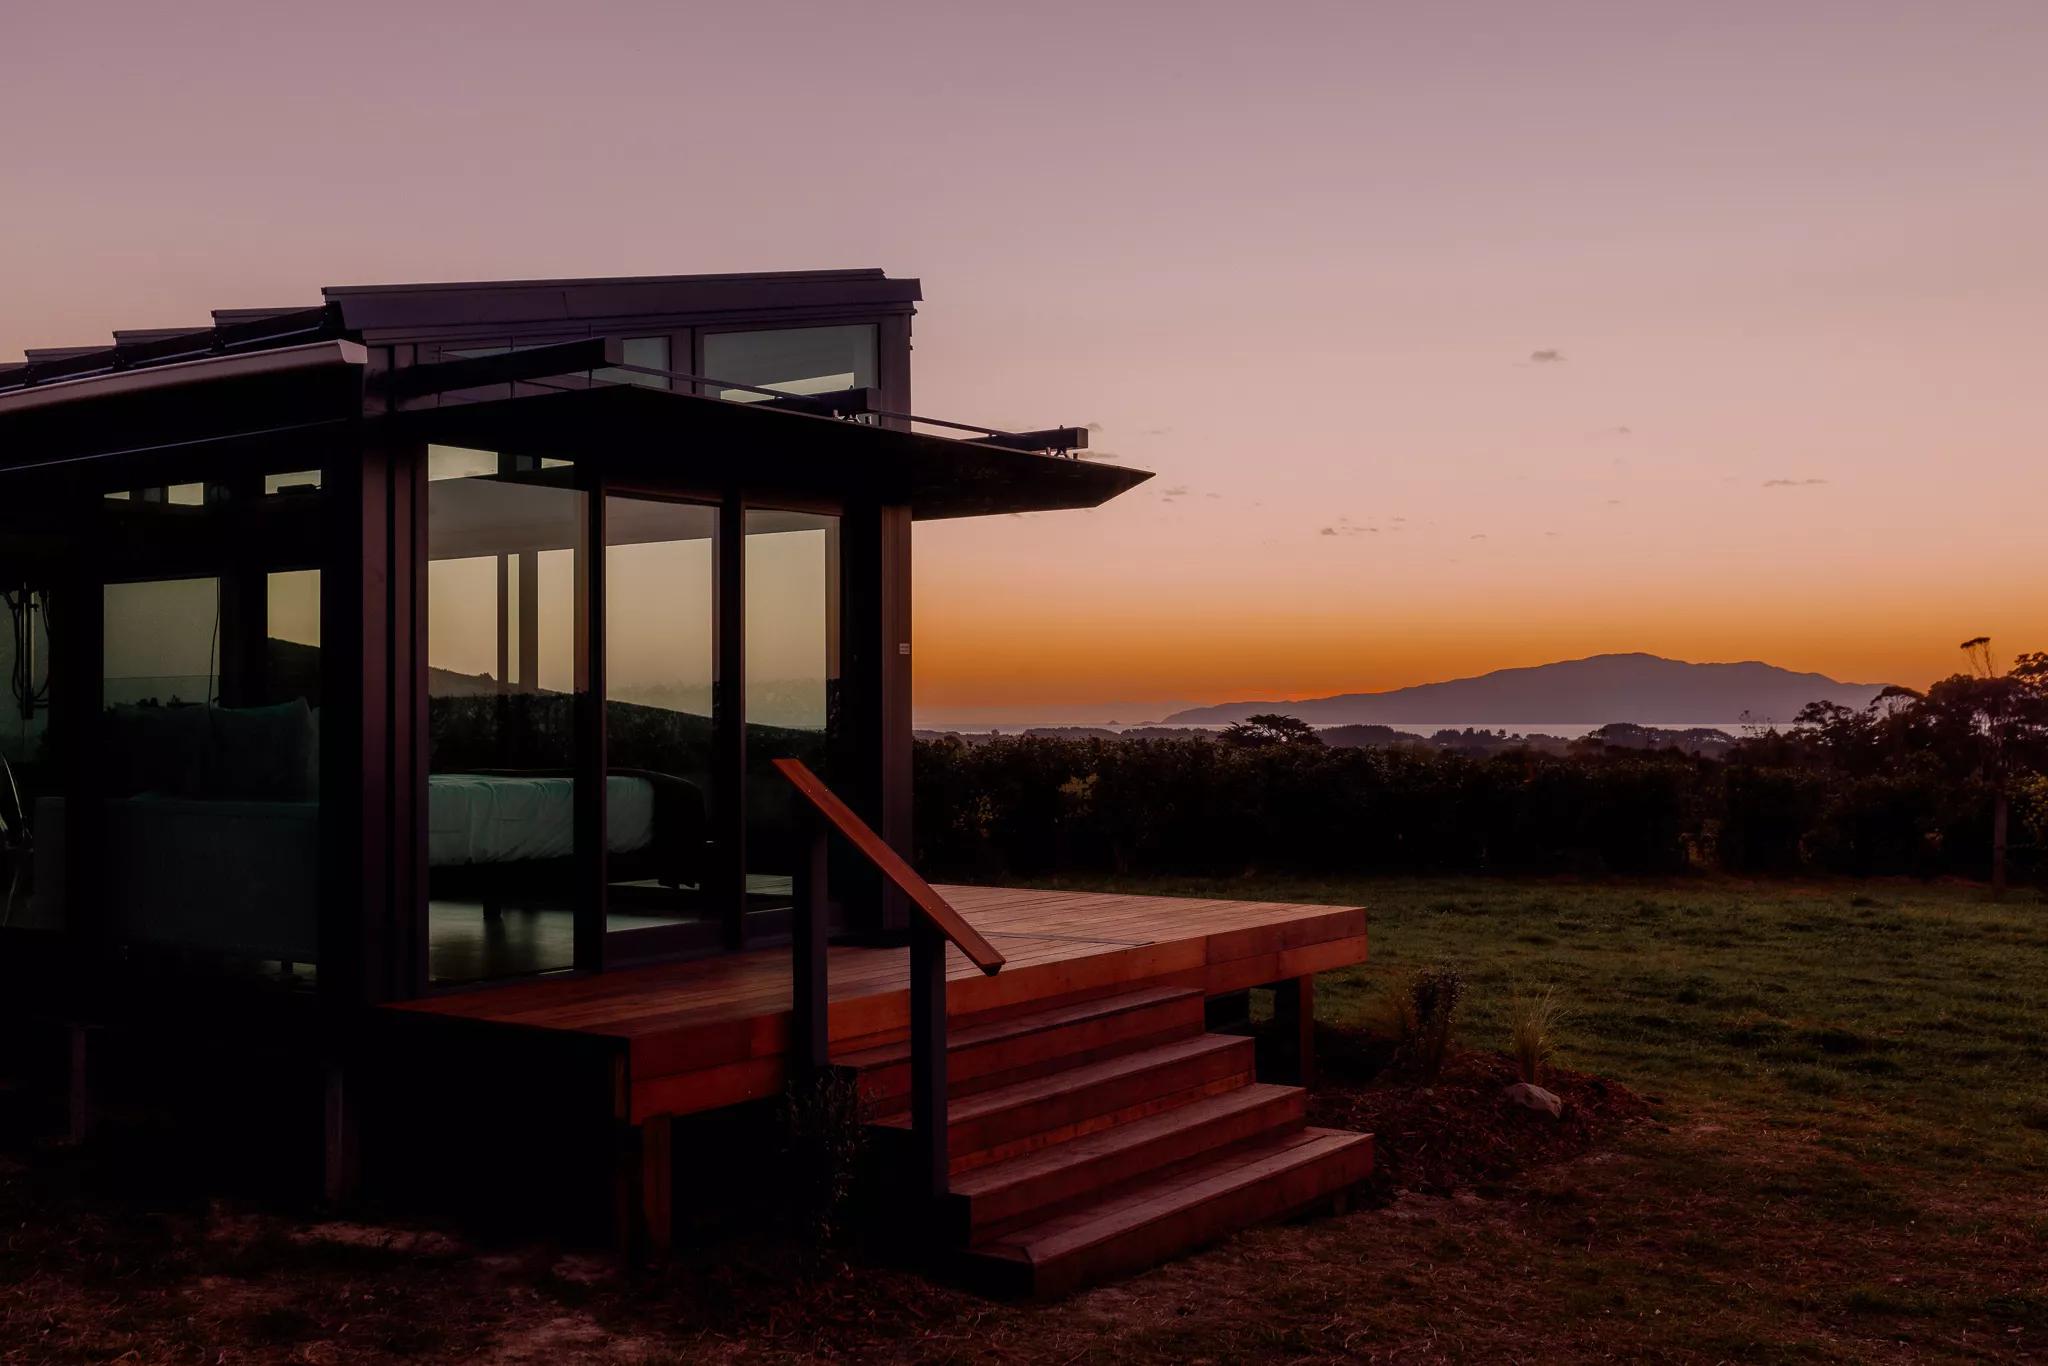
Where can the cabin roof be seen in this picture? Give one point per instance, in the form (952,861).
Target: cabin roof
(378,313)
(659,434)
(262,372)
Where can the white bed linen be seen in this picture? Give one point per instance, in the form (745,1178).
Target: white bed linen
(479,818)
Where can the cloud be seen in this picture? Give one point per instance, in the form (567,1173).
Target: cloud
(1549,356)
(1793,483)
(1344,526)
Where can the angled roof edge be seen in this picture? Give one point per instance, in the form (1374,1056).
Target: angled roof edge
(388,308)
(85,388)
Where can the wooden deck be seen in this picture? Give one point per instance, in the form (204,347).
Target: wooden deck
(693,1036)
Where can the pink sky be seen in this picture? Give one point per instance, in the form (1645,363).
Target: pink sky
(1296,258)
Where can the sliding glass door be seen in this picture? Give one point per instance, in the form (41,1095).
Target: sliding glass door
(663,884)
(665,673)
(506,576)
(792,694)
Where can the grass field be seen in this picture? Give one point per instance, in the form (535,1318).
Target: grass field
(1845,1162)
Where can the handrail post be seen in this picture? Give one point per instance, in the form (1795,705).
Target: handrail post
(810,1042)
(928,1057)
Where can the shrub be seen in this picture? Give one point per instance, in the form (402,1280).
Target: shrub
(824,1144)
(1424,1011)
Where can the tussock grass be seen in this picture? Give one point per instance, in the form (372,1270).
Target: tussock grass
(1532,1033)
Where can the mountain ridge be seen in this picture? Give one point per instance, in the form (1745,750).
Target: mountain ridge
(1635,686)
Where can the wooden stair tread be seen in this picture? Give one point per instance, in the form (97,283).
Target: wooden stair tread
(1254,1183)
(1102,1072)
(1018,1026)
(1095,1146)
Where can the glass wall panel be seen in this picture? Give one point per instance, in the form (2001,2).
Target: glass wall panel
(31,769)
(210,740)
(792,682)
(791,360)
(648,352)
(504,540)
(660,680)
(198,727)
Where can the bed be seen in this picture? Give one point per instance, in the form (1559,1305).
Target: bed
(505,835)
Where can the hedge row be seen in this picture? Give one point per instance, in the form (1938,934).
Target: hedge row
(1039,805)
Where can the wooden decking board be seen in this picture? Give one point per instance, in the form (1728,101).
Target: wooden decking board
(712,1031)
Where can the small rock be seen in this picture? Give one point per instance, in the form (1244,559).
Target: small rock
(1536,1098)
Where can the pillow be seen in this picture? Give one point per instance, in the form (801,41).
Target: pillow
(261,753)
(159,749)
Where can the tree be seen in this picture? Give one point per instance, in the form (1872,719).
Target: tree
(1269,729)
(1997,723)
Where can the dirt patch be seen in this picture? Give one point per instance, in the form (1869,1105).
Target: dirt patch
(1461,1131)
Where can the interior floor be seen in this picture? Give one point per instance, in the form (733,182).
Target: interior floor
(466,943)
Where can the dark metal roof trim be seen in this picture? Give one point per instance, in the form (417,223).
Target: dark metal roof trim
(263,360)
(481,304)
(659,433)
(268,331)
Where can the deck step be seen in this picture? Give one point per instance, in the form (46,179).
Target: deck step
(1155,1220)
(1006,1121)
(1029,1189)
(983,1055)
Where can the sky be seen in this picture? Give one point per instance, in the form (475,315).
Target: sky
(1460,336)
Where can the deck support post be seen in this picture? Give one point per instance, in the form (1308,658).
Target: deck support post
(81,1081)
(928,1127)
(657,1195)
(342,1174)
(810,1035)
(643,1190)
(1294,1018)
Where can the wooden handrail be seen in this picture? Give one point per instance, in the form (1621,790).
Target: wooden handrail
(936,908)
(810,1037)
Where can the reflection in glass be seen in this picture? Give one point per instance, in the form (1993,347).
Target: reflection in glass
(198,737)
(31,749)
(791,360)
(209,764)
(660,672)
(792,679)
(503,540)
(650,353)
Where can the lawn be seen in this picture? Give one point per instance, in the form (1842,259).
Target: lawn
(1844,1161)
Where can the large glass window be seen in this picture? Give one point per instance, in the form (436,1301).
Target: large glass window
(647,353)
(197,733)
(31,759)
(792,683)
(210,745)
(505,537)
(791,360)
(661,683)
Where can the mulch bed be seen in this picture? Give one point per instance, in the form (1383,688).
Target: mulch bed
(1462,1132)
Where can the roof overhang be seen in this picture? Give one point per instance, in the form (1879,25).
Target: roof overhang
(215,398)
(656,436)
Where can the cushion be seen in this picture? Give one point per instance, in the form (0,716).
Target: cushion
(159,749)
(262,753)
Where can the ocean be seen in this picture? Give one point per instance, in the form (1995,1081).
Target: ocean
(1564,730)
